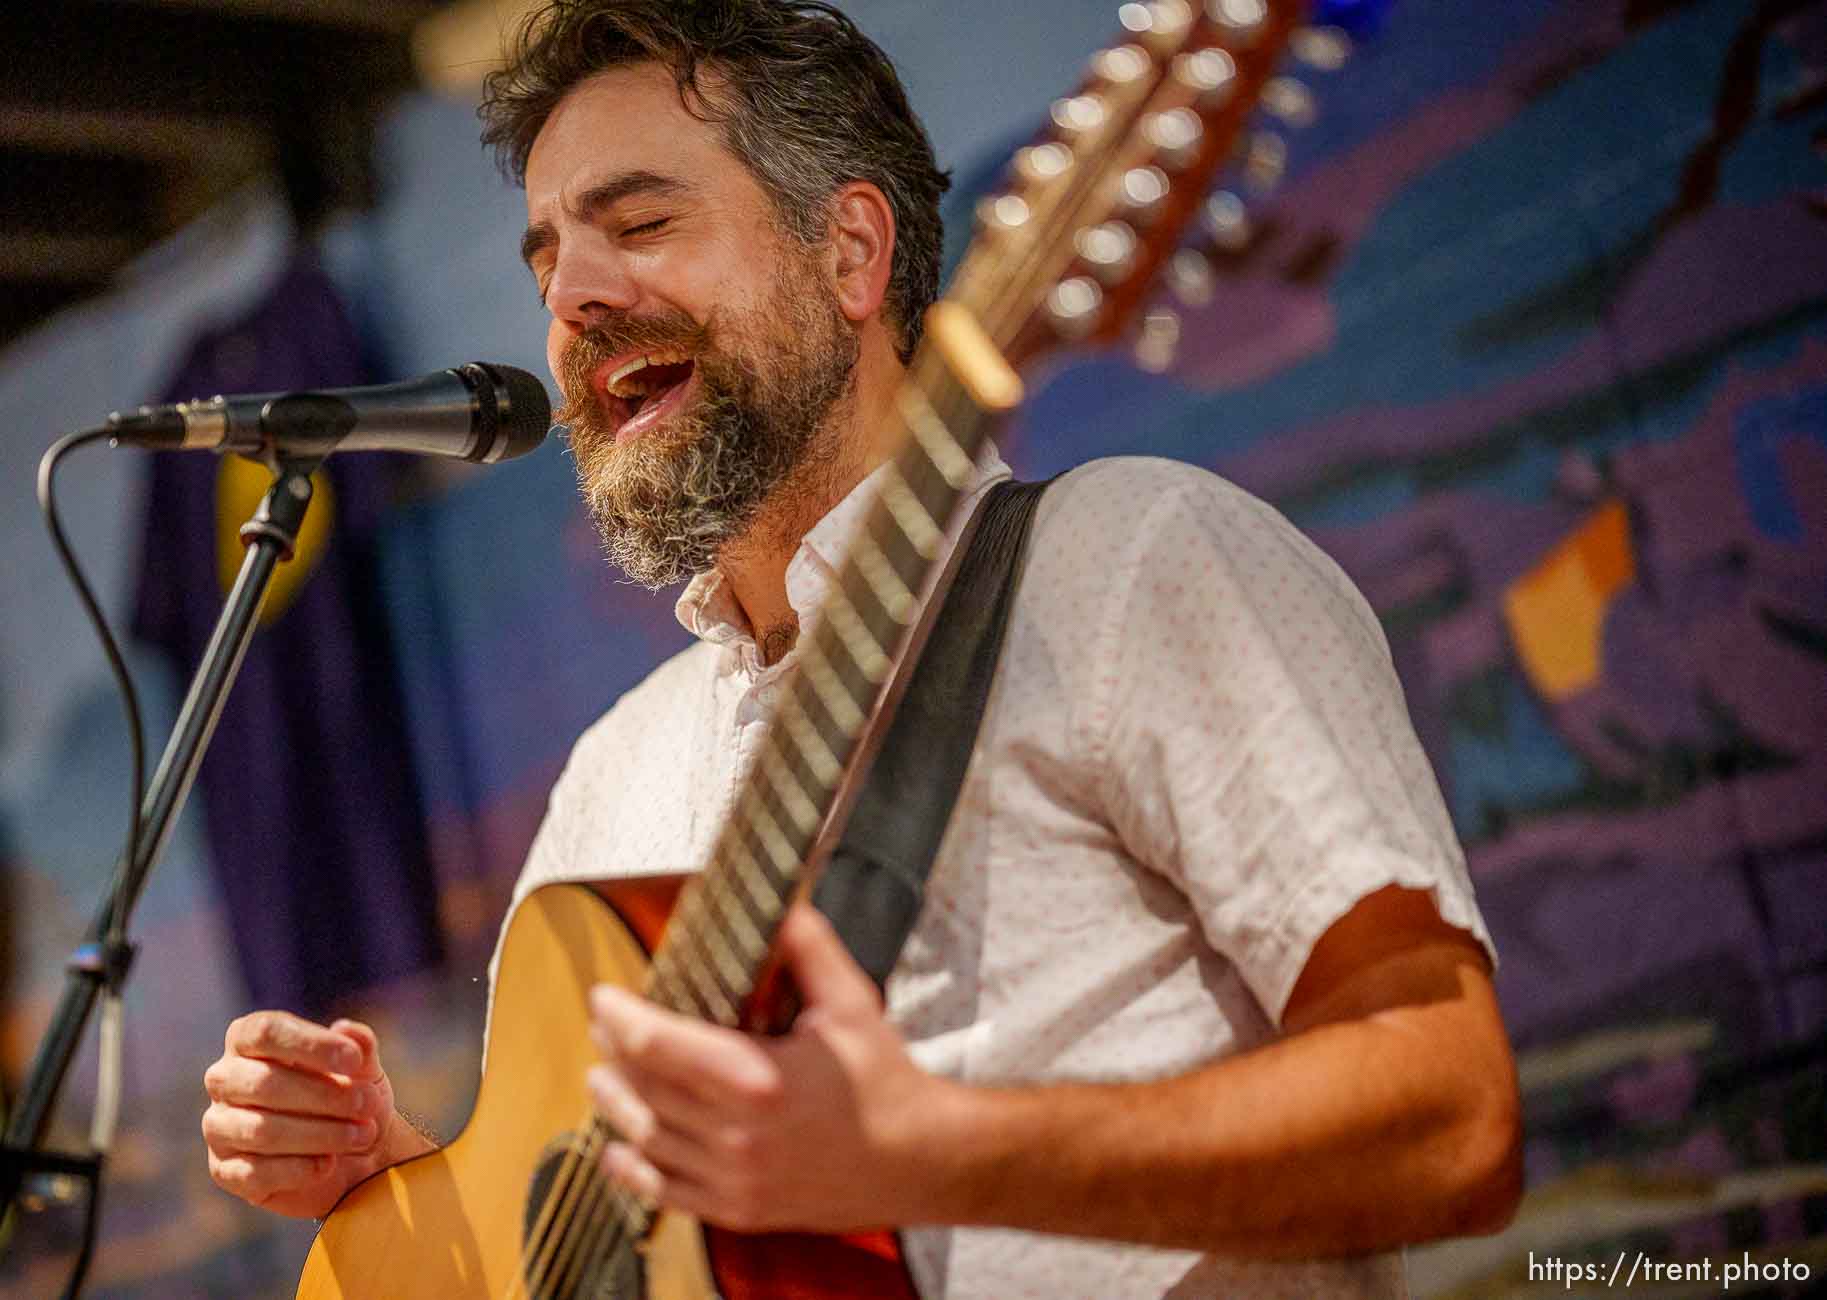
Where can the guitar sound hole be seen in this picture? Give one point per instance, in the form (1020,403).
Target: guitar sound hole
(579,1241)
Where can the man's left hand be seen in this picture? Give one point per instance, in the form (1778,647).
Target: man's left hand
(816,1130)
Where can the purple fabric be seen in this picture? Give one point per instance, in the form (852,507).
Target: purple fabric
(311,808)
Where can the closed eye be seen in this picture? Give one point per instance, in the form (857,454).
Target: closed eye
(646,227)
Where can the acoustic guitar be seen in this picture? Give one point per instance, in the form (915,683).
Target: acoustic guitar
(1064,255)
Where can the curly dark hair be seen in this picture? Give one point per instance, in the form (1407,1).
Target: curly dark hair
(804,99)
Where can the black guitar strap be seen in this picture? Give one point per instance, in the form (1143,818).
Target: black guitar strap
(875,881)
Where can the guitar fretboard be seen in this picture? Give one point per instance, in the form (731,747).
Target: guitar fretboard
(718,939)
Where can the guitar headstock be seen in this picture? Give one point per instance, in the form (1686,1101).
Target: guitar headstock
(1097,206)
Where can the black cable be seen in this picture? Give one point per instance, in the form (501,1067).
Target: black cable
(113,936)
(89,1222)
(113,932)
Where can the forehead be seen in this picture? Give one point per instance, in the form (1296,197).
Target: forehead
(626,119)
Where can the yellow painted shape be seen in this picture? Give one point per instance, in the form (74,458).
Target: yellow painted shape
(240,484)
(1556,611)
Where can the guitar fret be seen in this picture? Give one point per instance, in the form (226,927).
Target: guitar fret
(921,531)
(704,980)
(792,794)
(672,987)
(767,902)
(817,755)
(772,838)
(934,437)
(855,634)
(886,583)
(831,692)
(734,977)
(716,934)
(739,924)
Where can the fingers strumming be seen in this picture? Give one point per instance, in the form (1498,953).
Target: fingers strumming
(709,1059)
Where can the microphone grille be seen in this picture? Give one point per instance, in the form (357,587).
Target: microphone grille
(523,410)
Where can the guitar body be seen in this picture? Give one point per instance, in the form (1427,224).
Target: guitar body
(452,1224)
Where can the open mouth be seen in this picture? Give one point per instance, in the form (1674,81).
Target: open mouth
(642,389)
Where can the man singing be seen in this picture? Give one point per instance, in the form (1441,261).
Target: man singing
(1199,1003)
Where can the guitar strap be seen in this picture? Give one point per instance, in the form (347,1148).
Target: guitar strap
(874,883)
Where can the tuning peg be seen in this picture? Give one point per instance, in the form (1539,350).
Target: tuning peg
(1265,159)
(1121,64)
(1077,114)
(1003,211)
(1042,162)
(1074,306)
(1190,277)
(1161,23)
(1141,191)
(1242,19)
(1326,49)
(1208,73)
(1159,340)
(1289,101)
(1227,221)
(1175,134)
(1108,249)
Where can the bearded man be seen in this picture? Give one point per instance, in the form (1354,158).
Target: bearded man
(1199,1002)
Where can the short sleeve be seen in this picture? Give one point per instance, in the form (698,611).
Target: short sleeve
(1250,729)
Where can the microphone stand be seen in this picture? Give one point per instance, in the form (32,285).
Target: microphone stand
(100,964)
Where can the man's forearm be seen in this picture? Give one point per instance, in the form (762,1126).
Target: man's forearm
(1351,1137)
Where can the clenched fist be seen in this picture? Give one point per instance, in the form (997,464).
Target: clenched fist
(299,1113)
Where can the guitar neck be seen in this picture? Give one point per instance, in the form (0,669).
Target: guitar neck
(718,940)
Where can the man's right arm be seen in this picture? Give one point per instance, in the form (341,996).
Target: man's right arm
(300,1112)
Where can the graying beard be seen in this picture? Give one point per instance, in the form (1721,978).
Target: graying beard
(761,435)
(678,511)
(664,516)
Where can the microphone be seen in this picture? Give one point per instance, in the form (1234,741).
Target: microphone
(477,412)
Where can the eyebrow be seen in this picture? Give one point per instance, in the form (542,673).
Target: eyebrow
(541,235)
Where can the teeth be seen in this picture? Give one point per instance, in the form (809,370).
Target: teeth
(622,382)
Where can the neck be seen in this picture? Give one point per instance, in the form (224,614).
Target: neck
(755,565)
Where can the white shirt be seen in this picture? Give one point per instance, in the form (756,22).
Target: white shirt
(1195,759)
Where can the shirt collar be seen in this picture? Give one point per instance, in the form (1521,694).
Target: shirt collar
(708,608)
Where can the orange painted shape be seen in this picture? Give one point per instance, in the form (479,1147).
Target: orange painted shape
(1556,611)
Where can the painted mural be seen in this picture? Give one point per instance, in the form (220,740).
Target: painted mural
(1541,359)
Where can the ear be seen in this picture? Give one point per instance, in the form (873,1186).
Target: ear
(862,249)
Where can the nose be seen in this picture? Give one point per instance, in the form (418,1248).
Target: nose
(589,280)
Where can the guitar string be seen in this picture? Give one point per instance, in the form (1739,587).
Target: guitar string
(555,1236)
(572,1257)
(558,1266)
(548,1228)
(606,1208)
(557,1215)
(605,1232)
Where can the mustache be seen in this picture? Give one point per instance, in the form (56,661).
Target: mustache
(590,348)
